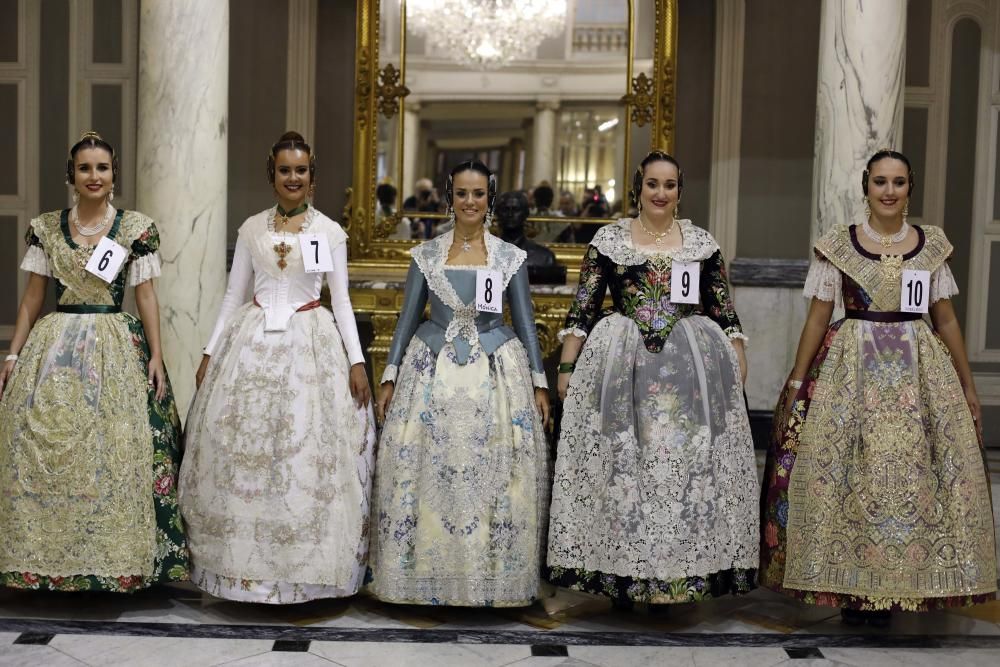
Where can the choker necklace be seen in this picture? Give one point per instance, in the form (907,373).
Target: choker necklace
(74,217)
(657,238)
(282,249)
(885,240)
(283,215)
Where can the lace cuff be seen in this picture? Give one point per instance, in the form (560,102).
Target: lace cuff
(576,331)
(943,285)
(389,374)
(539,380)
(144,268)
(36,261)
(823,281)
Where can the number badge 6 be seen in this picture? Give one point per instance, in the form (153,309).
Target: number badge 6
(106,260)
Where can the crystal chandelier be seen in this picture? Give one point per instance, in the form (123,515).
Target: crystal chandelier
(486,34)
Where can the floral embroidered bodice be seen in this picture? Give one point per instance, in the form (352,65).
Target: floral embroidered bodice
(53,252)
(639,282)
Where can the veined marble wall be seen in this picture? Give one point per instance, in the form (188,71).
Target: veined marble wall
(182,166)
(859,105)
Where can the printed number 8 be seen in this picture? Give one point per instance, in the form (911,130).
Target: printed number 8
(488,295)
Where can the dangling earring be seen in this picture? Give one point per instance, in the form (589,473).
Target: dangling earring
(111,195)
(906,210)
(76,197)
(451,218)
(312,191)
(488,220)
(868,209)
(677,207)
(638,206)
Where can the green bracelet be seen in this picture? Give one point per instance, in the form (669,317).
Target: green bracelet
(567,367)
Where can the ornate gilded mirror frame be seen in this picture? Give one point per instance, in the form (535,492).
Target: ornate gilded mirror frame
(649,100)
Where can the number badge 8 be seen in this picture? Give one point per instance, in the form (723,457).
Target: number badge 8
(489,291)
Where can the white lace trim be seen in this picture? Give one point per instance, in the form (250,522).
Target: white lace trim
(389,374)
(144,268)
(943,285)
(615,241)
(576,331)
(739,334)
(539,380)
(36,261)
(824,282)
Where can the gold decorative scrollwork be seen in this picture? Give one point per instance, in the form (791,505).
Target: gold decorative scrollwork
(641,99)
(363,90)
(390,90)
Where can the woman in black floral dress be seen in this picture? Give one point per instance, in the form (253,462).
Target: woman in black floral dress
(655,481)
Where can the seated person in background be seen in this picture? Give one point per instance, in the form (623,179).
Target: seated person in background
(425,198)
(544,196)
(385,194)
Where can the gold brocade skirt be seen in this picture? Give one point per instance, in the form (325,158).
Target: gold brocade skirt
(888,497)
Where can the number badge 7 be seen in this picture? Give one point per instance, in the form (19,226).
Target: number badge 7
(316,256)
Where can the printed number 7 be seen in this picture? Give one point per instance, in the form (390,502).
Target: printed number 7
(315,244)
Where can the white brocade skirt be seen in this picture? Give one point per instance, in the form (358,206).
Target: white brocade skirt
(462,481)
(276,478)
(655,481)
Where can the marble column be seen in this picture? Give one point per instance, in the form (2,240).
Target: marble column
(411,145)
(543,143)
(182,166)
(859,104)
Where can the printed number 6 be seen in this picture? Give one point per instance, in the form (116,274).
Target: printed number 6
(105,260)
(488,295)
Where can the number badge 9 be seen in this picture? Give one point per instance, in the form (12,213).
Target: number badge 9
(489,291)
(684,282)
(106,260)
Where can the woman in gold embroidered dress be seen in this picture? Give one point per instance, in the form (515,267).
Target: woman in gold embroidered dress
(88,428)
(875,494)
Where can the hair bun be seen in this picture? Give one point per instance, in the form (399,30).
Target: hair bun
(291,136)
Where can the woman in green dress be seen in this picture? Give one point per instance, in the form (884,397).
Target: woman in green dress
(88,428)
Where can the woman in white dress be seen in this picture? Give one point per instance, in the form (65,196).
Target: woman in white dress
(462,482)
(276,477)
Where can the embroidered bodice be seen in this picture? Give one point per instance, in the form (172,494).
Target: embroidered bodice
(256,276)
(845,272)
(639,282)
(451,291)
(52,252)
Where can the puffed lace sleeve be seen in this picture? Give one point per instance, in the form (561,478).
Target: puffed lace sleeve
(943,285)
(145,257)
(824,281)
(586,308)
(716,297)
(35,259)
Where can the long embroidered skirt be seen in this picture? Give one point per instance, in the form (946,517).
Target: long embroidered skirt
(655,476)
(461,481)
(875,494)
(88,462)
(276,479)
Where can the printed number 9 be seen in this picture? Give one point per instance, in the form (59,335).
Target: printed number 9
(685,283)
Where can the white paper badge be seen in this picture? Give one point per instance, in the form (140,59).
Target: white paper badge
(106,259)
(316,253)
(915,293)
(489,291)
(684,280)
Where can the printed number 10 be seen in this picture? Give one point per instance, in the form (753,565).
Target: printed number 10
(915,293)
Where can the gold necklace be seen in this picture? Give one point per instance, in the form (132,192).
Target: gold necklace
(657,238)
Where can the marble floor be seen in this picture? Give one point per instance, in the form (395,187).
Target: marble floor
(180,626)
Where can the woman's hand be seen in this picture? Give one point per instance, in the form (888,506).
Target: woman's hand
(199,376)
(562,385)
(359,385)
(972,398)
(384,398)
(5,372)
(542,403)
(157,377)
(792,392)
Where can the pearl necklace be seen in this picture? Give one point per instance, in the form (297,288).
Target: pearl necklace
(885,240)
(657,238)
(74,217)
